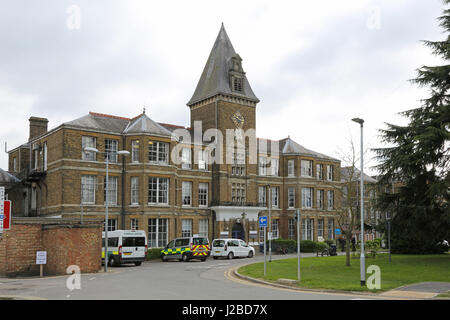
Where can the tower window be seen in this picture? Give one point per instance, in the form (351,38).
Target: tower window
(237,84)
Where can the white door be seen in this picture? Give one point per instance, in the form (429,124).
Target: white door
(243,248)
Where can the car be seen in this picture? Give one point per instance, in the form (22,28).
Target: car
(186,248)
(231,248)
(125,246)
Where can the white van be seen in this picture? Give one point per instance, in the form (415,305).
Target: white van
(231,248)
(125,246)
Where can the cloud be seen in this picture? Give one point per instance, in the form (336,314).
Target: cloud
(314,65)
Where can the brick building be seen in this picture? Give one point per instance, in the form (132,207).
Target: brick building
(170,186)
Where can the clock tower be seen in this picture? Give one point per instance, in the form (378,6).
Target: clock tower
(224,100)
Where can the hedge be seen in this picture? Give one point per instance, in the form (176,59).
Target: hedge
(153,253)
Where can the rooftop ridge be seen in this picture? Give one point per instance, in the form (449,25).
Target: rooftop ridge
(171,125)
(108,116)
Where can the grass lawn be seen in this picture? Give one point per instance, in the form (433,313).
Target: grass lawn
(331,272)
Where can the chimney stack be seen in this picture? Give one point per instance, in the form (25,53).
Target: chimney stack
(38,126)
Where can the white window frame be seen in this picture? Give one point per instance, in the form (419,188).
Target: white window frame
(292,228)
(186,193)
(291,168)
(203,194)
(307,197)
(88,185)
(158,232)
(262,166)
(330,197)
(45,154)
(275,197)
(330,228)
(330,172)
(203,160)
(203,228)
(262,191)
(306,168)
(291,197)
(319,171)
(274,166)
(87,141)
(320,228)
(111,197)
(186,228)
(134,186)
(134,224)
(161,154)
(112,225)
(275,229)
(135,147)
(111,149)
(160,192)
(320,194)
(186,159)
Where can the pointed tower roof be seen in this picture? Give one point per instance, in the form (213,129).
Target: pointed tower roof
(215,77)
(143,124)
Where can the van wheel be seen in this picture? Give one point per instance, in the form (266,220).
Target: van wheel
(111,262)
(215,258)
(203,259)
(230,255)
(250,254)
(163,258)
(185,257)
(138,263)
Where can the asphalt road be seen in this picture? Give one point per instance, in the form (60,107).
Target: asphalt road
(156,280)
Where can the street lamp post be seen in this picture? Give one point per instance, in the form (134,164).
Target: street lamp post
(388,219)
(362,258)
(270,222)
(122,152)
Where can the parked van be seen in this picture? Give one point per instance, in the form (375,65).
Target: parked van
(231,248)
(125,246)
(185,249)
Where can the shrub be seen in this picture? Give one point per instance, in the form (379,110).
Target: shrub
(320,246)
(153,253)
(329,242)
(307,246)
(283,244)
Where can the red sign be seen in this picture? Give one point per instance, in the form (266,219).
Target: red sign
(7,214)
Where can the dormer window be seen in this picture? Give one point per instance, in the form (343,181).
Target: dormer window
(236,74)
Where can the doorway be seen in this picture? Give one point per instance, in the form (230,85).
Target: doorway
(237,232)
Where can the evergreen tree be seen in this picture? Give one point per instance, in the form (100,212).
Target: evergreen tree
(418,156)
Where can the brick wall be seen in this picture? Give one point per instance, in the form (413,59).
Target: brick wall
(67,242)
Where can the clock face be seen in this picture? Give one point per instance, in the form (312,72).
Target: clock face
(238,119)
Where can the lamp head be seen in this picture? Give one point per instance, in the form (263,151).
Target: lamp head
(358,120)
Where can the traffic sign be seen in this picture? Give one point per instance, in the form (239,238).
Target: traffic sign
(41,257)
(6,215)
(263,221)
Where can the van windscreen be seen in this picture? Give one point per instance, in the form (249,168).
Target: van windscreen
(133,242)
(200,241)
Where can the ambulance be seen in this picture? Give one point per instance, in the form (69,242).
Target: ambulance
(125,246)
(186,248)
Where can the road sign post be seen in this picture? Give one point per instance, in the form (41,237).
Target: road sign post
(263,223)
(41,259)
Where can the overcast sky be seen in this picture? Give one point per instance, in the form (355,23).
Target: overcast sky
(314,65)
